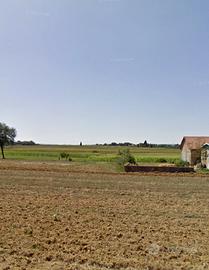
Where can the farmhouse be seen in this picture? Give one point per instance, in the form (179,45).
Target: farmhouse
(191,148)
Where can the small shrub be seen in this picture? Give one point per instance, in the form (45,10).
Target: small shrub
(125,157)
(203,170)
(181,163)
(65,156)
(162,160)
(131,159)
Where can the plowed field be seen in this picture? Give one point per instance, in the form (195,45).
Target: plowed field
(53,216)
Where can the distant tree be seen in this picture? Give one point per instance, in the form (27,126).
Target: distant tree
(81,144)
(7,136)
(25,143)
(127,144)
(113,144)
(146,144)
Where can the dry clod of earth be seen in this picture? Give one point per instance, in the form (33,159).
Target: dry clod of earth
(52,218)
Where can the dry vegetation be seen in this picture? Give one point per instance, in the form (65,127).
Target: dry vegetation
(56,217)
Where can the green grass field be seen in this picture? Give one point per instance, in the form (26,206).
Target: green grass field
(90,153)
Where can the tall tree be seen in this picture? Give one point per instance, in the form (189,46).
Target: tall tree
(7,136)
(146,144)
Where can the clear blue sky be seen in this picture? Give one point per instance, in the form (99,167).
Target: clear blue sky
(105,70)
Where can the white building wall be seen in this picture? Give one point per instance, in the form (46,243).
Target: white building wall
(186,155)
(207,162)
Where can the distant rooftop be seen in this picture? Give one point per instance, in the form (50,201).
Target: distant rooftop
(194,142)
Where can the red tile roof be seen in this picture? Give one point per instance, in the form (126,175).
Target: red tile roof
(194,142)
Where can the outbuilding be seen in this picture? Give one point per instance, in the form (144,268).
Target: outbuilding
(191,148)
(205,155)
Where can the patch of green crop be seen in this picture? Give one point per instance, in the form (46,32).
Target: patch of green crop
(91,153)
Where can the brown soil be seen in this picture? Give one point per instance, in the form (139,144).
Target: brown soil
(55,218)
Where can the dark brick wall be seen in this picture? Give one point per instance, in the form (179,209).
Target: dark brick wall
(132,168)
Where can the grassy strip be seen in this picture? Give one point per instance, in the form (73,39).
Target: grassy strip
(91,154)
(157,160)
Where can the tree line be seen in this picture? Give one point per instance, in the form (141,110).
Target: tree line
(145,144)
(8,134)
